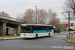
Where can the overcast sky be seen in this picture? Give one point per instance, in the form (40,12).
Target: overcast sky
(15,7)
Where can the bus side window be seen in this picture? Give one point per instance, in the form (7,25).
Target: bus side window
(47,29)
(31,30)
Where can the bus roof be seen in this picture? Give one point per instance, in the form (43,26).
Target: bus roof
(37,24)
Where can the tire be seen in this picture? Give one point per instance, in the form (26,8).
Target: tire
(36,36)
(49,35)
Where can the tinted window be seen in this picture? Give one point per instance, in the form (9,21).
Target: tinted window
(42,27)
(25,29)
(38,27)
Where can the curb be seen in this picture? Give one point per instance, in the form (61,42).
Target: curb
(11,38)
(69,41)
(58,33)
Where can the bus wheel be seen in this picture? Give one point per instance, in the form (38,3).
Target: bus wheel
(49,35)
(36,36)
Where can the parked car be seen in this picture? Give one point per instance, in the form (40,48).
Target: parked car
(71,30)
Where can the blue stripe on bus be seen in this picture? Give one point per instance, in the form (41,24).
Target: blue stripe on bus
(49,30)
(39,31)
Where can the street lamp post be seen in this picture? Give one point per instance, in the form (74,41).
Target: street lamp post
(69,23)
(74,7)
(36,15)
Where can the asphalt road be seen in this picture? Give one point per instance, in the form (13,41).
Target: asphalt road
(56,42)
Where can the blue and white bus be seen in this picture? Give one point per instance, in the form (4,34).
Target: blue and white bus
(36,30)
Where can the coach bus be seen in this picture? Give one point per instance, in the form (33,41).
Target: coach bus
(36,30)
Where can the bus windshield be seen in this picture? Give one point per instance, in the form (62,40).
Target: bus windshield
(25,29)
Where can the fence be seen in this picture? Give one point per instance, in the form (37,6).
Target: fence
(71,37)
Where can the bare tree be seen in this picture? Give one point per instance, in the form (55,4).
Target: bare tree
(42,16)
(56,22)
(70,5)
(20,17)
(51,15)
(4,14)
(53,20)
(27,17)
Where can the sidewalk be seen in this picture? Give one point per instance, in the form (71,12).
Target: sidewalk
(60,33)
(10,38)
(70,41)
